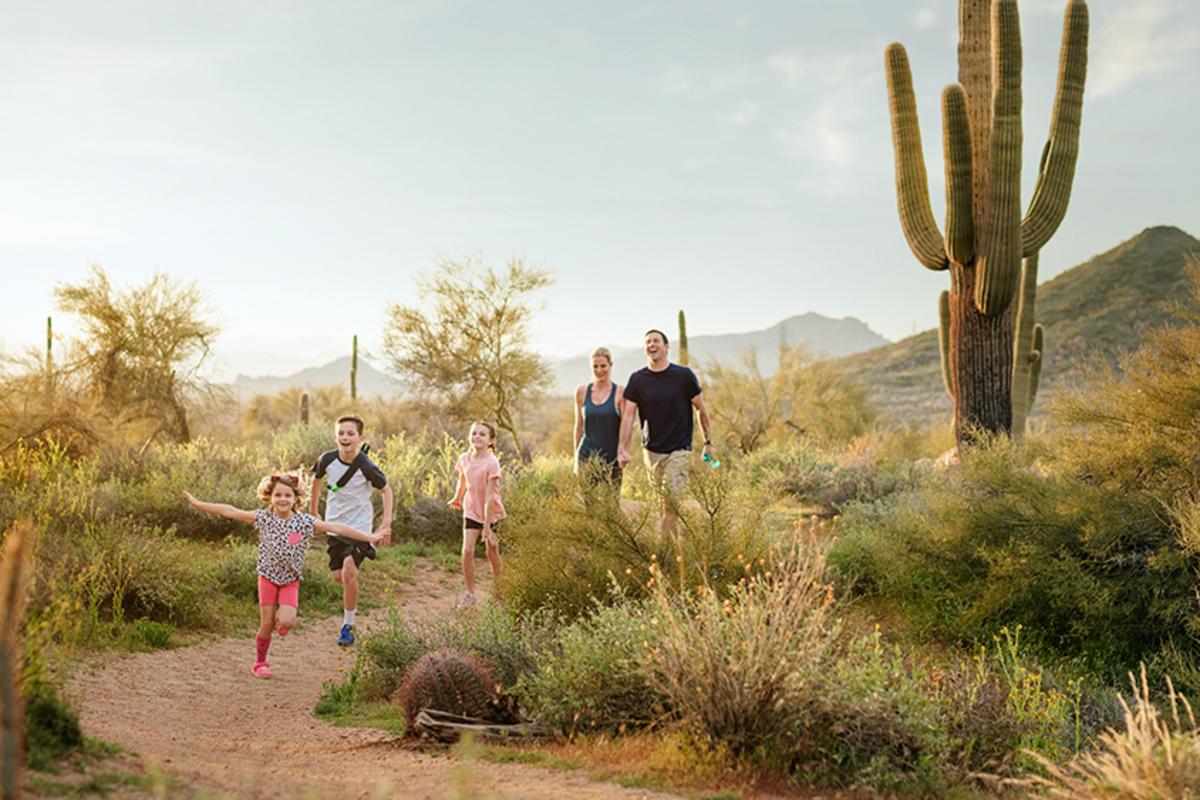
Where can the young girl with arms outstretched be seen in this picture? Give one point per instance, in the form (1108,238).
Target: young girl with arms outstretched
(283,536)
(478,496)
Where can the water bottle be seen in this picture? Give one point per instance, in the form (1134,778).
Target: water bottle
(711,461)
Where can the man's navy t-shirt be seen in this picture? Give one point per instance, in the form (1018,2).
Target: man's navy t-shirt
(664,403)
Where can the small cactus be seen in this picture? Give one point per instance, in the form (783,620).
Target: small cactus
(304,408)
(450,681)
(354,369)
(12,611)
(683,342)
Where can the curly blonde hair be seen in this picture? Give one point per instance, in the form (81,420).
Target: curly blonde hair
(292,479)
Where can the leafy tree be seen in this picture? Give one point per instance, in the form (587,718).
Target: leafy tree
(141,350)
(467,342)
(804,397)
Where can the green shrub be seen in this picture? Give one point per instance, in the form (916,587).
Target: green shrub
(591,678)
(567,545)
(51,729)
(1008,538)
(155,635)
(830,482)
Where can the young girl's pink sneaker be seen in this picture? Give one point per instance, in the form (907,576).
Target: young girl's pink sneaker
(261,670)
(283,630)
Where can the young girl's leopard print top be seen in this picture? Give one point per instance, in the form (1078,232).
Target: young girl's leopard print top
(282,544)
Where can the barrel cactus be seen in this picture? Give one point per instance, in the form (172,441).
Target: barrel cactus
(985,236)
(448,680)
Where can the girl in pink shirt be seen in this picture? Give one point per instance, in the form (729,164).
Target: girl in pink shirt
(478,495)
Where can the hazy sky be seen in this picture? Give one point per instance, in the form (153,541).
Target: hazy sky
(302,161)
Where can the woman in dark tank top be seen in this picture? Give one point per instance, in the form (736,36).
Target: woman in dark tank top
(598,418)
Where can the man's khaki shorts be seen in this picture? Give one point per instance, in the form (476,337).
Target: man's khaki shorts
(669,470)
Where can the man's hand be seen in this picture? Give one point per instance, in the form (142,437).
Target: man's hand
(623,457)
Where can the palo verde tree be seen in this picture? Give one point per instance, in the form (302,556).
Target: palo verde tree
(140,352)
(467,342)
(985,235)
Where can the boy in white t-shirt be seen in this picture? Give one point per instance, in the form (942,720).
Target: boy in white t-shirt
(352,477)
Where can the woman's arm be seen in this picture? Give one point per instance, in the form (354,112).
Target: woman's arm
(345,531)
(620,401)
(220,509)
(579,390)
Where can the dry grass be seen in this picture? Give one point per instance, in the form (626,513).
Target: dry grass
(1154,757)
(736,669)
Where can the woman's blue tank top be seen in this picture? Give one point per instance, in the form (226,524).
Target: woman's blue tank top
(601,427)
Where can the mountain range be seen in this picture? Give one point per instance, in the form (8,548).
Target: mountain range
(821,336)
(1094,312)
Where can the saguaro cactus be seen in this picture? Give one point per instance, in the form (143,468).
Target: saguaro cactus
(354,369)
(1027,349)
(304,408)
(985,236)
(683,342)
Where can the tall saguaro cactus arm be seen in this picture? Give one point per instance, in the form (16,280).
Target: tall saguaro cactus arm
(944,340)
(1000,259)
(956,140)
(912,183)
(1057,171)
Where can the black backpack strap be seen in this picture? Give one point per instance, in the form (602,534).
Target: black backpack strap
(354,467)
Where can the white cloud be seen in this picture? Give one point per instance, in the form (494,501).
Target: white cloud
(1135,42)
(926,18)
(746,113)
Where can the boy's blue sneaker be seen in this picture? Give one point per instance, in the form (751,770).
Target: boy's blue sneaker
(346,637)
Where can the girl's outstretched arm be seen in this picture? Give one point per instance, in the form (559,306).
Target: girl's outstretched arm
(220,509)
(345,531)
(459,491)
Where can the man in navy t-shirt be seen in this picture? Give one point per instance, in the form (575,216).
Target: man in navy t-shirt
(663,395)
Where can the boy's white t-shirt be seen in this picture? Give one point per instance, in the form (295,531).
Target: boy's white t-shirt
(351,504)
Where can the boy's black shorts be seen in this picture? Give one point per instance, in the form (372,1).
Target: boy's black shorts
(476,525)
(340,548)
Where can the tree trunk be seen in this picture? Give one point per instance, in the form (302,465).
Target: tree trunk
(981,353)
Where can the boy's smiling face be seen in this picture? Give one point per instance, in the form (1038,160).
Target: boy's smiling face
(347,436)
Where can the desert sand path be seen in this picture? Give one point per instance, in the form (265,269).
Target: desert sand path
(199,714)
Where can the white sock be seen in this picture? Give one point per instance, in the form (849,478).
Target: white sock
(348,616)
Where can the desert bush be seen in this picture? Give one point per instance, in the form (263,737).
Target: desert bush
(592,676)
(869,717)
(831,481)
(737,670)
(1153,757)
(803,400)
(1009,537)
(567,544)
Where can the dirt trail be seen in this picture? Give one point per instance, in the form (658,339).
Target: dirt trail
(199,714)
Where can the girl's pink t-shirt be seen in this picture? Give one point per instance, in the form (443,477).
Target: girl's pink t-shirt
(478,472)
